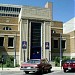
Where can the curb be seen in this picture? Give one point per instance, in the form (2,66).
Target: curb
(10,69)
(18,69)
(57,68)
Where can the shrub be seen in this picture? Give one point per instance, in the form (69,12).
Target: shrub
(57,60)
(73,58)
(65,58)
(17,65)
(10,62)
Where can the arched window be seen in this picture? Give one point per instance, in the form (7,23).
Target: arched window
(6,28)
(53,31)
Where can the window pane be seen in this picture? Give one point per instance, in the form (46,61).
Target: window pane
(36,34)
(55,43)
(6,28)
(1,41)
(10,42)
(63,43)
(9,28)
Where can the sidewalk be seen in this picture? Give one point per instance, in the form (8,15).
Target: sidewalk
(57,68)
(10,69)
(18,69)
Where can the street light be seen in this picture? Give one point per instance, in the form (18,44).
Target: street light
(60,50)
(15,49)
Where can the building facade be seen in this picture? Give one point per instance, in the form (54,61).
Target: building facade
(30,33)
(57,35)
(9,30)
(69,29)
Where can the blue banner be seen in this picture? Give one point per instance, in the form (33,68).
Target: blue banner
(46,45)
(24,44)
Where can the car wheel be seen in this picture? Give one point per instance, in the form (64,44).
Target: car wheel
(49,70)
(64,70)
(41,71)
(27,72)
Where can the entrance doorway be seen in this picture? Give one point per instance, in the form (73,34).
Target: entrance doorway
(35,40)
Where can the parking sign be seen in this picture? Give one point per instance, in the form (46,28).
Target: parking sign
(24,44)
(46,45)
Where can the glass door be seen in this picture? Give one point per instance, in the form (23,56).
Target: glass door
(35,40)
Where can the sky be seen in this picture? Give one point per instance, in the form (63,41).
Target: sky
(63,10)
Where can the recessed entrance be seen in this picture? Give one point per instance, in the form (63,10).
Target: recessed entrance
(35,40)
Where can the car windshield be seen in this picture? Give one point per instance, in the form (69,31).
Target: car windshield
(33,61)
(70,61)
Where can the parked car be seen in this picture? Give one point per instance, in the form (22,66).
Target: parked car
(69,65)
(36,65)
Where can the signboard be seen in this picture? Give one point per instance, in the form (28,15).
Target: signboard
(46,45)
(24,44)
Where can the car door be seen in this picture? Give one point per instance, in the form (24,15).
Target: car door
(47,65)
(43,63)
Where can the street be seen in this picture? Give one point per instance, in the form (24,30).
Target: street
(56,72)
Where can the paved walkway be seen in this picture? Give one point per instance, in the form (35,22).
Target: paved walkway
(57,68)
(18,69)
(10,69)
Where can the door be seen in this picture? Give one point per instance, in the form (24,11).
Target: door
(36,53)
(35,40)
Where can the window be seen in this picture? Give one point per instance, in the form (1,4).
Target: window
(10,42)
(13,15)
(36,34)
(63,43)
(1,41)
(55,43)
(6,28)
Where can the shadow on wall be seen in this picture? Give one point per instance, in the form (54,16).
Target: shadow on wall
(8,61)
(56,53)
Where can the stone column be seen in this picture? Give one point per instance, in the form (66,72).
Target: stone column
(24,37)
(48,40)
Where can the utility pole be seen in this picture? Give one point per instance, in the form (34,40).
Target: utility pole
(60,50)
(15,50)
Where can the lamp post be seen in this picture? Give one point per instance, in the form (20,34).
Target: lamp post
(60,50)
(15,50)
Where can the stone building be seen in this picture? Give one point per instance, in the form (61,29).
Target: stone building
(69,29)
(28,32)
(60,43)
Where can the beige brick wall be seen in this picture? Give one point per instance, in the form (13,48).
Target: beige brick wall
(10,20)
(72,41)
(67,38)
(6,48)
(13,27)
(57,30)
(56,51)
(57,26)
